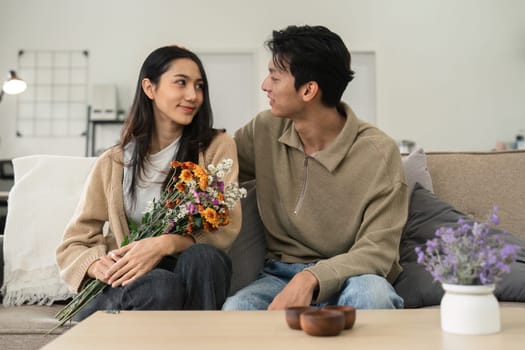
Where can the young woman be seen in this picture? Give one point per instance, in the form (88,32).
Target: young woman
(170,119)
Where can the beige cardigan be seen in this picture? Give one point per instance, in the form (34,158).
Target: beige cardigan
(102,202)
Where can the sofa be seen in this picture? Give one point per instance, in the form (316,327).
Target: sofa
(443,187)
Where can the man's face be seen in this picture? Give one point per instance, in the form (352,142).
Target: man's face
(285,101)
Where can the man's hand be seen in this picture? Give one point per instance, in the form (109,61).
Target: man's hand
(298,292)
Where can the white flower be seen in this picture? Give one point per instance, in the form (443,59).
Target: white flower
(149,207)
(221,169)
(191,184)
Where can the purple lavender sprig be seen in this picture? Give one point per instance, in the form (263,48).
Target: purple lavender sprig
(468,254)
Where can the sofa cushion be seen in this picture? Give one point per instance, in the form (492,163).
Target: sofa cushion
(249,248)
(473,182)
(42,201)
(416,170)
(415,285)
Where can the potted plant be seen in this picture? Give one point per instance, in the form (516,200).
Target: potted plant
(469,259)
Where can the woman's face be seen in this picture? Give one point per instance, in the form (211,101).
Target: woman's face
(178,95)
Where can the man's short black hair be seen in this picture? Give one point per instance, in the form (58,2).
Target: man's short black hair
(313,53)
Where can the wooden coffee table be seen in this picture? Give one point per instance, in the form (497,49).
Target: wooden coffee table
(200,330)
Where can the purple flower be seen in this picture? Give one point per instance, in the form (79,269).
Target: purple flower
(468,253)
(170,227)
(196,196)
(509,251)
(192,208)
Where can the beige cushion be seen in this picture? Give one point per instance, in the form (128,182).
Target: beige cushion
(475,182)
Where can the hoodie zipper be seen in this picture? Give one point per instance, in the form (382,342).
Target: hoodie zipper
(300,199)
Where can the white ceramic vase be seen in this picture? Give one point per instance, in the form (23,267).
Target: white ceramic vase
(469,309)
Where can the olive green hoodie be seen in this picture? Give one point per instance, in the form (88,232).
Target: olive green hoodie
(343,207)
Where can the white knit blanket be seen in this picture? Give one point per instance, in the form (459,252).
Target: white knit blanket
(42,201)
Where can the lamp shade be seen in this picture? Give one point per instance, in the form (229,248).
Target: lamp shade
(13,85)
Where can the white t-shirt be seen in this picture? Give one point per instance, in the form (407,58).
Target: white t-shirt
(149,187)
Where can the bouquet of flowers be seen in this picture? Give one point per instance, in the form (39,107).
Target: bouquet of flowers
(194,199)
(468,254)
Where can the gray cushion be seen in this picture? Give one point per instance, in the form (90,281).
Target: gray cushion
(415,285)
(1,262)
(249,249)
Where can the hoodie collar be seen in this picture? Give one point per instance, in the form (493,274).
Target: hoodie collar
(331,156)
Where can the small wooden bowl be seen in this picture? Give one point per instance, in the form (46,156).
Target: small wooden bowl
(292,314)
(322,323)
(349,311)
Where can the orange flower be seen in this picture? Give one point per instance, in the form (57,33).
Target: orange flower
(220,196)
(203,182)
(175,164)
(186,175)
(188,165)
(180,187)
(211,216)
(199,171)
(170,204)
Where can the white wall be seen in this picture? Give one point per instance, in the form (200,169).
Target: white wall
(450,74)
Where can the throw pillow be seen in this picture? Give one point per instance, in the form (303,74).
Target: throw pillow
(248,250)
(415,165)
(42,201)
(415,285)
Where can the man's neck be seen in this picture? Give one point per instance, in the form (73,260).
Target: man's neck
(318,128)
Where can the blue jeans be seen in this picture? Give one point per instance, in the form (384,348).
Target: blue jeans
(198,279)
(362,292)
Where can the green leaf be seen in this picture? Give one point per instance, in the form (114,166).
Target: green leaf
(197,220)
(145,218)
(133,226)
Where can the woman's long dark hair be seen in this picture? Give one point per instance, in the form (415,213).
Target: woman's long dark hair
(139,124)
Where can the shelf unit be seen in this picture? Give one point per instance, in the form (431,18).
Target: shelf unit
(91,131)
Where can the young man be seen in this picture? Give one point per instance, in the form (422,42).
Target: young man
(330,188)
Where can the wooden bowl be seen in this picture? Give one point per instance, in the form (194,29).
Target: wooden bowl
(292,314)
(322,323)
(349,312)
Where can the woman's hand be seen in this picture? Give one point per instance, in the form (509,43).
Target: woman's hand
(138,258)
(99,268)
(134,260)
